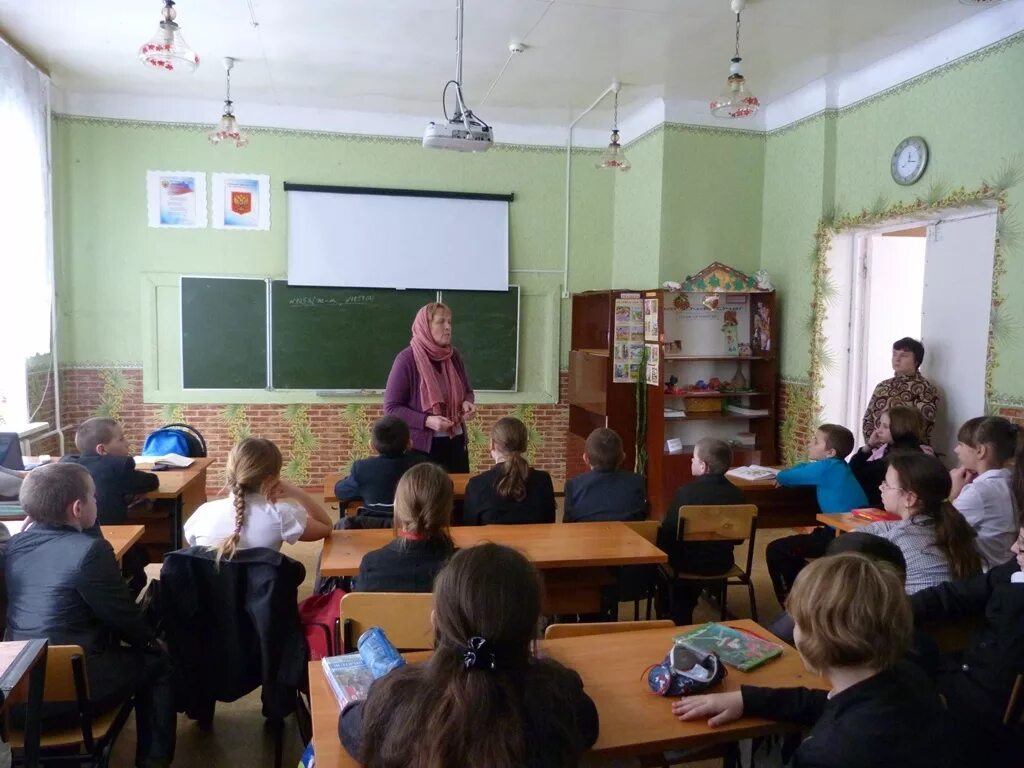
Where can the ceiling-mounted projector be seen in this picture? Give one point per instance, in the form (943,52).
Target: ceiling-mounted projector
(463,131)
(459,135)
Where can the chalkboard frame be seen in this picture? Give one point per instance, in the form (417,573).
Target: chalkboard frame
(268,331)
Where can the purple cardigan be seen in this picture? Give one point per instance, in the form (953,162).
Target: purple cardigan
(402,396)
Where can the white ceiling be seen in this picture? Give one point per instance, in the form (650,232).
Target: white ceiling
(393,56)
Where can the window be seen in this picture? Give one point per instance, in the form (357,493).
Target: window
(25,260)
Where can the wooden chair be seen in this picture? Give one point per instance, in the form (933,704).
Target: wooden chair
(649,530)
(556,631)
(726,522)
(1015,706)
(404,617)
(88,741)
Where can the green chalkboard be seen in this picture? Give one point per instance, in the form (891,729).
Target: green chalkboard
(331,338)
(223,333)
(485,328)
(339,338)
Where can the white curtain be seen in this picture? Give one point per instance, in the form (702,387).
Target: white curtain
(26,273)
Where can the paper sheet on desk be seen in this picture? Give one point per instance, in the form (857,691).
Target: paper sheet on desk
(172,460)
(753,472)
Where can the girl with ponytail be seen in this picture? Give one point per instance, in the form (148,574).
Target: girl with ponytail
(937,542)
(983,485)
(261,509)
(483,698)
(511,492)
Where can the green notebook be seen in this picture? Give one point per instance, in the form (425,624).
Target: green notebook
(734,646)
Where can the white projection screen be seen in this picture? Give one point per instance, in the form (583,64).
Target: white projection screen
(374,238)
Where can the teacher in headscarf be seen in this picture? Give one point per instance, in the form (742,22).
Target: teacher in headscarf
(429,390)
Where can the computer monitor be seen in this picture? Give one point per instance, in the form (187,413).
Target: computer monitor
(10,451)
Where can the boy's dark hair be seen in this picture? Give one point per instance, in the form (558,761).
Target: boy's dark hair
(715,453)
(48,491)
(871,545)
(907,344)
(838,438)
(92,432)
(604,449)
(390,436)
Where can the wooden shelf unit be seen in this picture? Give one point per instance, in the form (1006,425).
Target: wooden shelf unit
(595,401)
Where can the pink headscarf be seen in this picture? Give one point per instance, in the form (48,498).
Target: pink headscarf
(432,391)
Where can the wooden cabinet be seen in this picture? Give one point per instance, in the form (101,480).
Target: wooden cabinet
(729,343)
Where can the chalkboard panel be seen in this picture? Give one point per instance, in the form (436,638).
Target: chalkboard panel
(339,338)
(485,328)
(223,333)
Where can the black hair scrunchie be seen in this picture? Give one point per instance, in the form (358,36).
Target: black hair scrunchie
(479,654)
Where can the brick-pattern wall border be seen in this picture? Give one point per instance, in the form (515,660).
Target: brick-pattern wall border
(338,431)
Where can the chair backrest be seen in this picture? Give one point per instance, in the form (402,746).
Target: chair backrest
(404,617)
(555,631)
(646,528)
(724,522)
(60,675)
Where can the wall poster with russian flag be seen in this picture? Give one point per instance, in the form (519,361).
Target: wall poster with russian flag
(176,199)
(241,201)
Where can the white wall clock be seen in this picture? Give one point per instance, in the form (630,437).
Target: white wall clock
(909,160)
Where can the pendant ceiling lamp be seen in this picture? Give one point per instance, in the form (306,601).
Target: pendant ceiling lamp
(167,49)
(736,100)
(614,158)
(227,129)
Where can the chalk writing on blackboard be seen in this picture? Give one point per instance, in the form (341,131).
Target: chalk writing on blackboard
(330,301)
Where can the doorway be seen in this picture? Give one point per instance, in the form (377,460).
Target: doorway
(929,280)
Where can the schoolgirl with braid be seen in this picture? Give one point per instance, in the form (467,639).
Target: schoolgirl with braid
(483,698)
(512,491)
(261,509)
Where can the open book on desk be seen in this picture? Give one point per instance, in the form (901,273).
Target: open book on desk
(167,461)
(753,472)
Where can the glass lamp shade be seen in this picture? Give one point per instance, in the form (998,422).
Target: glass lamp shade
(227,130)
(736,100)
(168,50)
(613,158)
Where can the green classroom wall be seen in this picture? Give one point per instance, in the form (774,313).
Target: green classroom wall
(694,195)
(973,133)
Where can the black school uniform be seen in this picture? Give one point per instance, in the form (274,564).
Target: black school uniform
(870,474)
(485,506)
(117,480)
(696,557)
(602,496)
(374,480)
(403,565)
(894,719)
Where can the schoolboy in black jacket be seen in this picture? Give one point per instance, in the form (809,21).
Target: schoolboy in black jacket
(605,493)
(103,451)
(373,480)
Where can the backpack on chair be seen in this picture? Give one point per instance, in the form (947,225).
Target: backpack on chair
(182,439)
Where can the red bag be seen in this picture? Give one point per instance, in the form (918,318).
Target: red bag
(320,615)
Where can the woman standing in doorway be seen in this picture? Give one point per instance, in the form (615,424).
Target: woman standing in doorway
(429,390)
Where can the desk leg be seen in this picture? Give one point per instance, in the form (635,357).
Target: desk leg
(33,715)
(176,523)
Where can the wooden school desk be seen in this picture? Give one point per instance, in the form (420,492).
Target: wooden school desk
(574,556)
(779,507)
(632,721)
(119,537)
(180,493)
(459,480)
(843,522)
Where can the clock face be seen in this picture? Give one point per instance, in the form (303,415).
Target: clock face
(909,160)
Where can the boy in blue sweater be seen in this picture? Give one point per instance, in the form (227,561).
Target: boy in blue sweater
(837,490)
